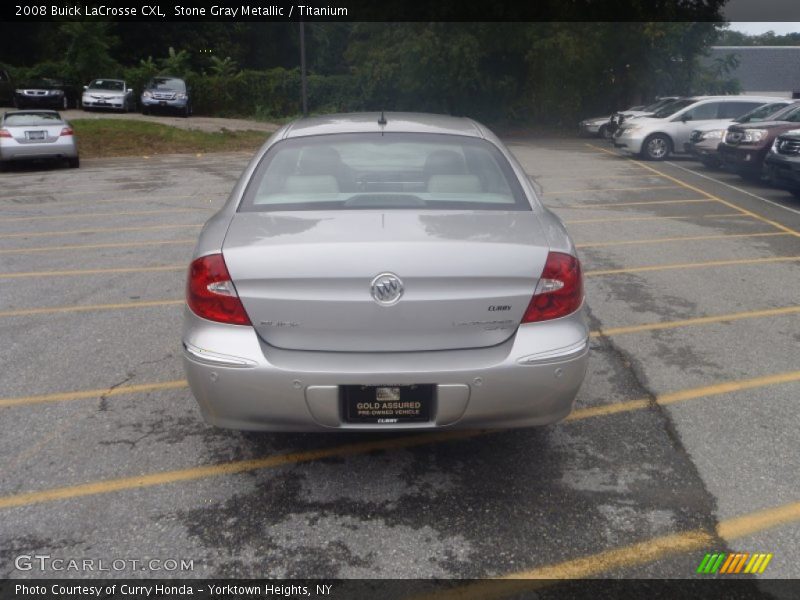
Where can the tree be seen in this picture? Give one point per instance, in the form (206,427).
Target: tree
(88,50)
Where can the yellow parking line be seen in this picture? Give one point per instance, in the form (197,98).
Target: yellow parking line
(181,267)
(696,265)
(98,246)
(688,186)
(91,394)
(642,203)
(753,314)
(101,230)
(630,189)
(87,308)
(633,555)
(624,175)
(274,461)
(659,218)
(104,214)
(678,239)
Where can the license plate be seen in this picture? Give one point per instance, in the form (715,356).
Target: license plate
(387,404)
(35,135)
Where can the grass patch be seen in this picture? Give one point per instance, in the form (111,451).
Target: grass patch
(99,138)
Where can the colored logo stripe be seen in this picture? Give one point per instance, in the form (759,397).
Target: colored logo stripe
(740,562)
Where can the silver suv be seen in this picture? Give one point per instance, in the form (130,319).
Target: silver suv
(666,131)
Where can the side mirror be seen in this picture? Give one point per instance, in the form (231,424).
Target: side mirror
(685,118)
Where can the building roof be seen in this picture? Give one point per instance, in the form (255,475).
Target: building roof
(762,68)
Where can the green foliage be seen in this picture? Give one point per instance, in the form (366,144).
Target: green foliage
(88,50)
(175,63)
(223,67)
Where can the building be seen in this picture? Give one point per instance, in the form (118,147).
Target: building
(763,70)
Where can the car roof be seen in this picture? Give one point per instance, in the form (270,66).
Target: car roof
(402,122)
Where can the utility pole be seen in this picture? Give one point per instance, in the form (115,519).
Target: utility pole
(303,67)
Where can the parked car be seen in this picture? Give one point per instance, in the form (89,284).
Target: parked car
(167,93)
(745,146)
(36,135)
(381,273)
(620,117)
(46,93)
(656,137)
(705,142)
(6,88)
(783,161)
(598,126)
(108,94)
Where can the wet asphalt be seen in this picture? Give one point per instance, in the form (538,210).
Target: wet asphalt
(399,506)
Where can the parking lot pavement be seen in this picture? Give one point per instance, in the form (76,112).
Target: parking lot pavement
(683,440)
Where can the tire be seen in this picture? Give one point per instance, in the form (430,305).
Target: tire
(145,110)
(711,163)
(604,132)
(186,112)
(749,175)
(74,163)
(657,147)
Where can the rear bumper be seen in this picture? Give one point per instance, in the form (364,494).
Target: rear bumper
(63,148)
(242,383)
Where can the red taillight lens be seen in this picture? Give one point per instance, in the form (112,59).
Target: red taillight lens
(210,292)
(4,133)
(67,131)
(559,291)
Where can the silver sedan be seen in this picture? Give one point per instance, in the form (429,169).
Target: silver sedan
(36,134)
(374,272)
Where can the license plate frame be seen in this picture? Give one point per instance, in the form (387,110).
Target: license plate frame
(36,136)
(387,404)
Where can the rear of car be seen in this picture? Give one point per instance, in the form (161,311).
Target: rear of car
(37,135)
(369,278)
(746,145)
(167,94)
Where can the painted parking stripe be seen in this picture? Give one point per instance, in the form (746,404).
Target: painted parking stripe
(705,193)
(753,314)
(98,246)
(594,190)
(641,553)
(696,265)
(100,230)
(657,218)
(279,460)
(79,272)
(122,390)
(126,213)
(691,238)
(23,312)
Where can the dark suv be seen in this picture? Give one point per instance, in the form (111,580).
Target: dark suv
(783,162)
(6,88)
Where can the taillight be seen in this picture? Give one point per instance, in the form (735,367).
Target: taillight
(559,291)
(210,292)
(4,133)
(67,131)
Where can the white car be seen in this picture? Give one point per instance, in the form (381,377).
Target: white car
(667,130)
(111,94)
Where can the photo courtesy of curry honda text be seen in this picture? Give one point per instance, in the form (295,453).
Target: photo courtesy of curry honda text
(381,272)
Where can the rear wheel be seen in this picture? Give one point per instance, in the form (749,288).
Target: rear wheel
(749,174)
(145,110)
(711,162)
(657,147)
(605,132)
(74,163)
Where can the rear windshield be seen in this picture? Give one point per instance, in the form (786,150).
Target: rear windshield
(166,83)
(673,107)
(42,118)
(107,84)
(380,172)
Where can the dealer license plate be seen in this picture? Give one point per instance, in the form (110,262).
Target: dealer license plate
(35,135)
(387,404)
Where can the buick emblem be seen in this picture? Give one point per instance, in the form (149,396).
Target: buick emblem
(387,289)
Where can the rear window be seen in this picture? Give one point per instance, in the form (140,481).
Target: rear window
(380,172)
(19,119)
